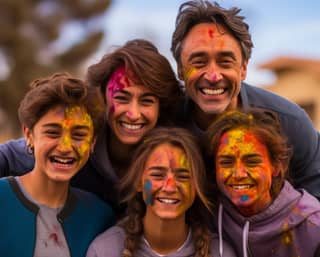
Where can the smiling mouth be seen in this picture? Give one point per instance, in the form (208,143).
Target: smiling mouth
(63,161)
(168,201)
(241,187)
(211,91)
(131,126)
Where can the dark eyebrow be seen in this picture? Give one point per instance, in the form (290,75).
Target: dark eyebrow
(227,54)
(149,94)
(51,125)
(195,55)
(161,168)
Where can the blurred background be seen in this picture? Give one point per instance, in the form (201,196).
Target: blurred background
(39,37)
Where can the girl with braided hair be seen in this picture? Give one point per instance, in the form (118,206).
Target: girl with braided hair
(164,190)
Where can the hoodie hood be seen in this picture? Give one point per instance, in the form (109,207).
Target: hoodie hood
(280,230)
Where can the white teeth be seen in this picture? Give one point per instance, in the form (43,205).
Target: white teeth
(63,160)
(240,187)
(131,126)
(168,201)
(209,91)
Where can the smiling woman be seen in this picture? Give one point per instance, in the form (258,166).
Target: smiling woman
(60,116)
(165,192)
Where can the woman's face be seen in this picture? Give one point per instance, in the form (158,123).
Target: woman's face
(167,184)
(132,109)
(62,140)
(244,171)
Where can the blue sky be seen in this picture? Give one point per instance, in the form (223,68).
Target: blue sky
(278,28)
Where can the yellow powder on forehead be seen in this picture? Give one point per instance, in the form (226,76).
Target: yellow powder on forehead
(237,138)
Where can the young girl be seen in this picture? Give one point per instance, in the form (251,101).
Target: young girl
(164,189)
(40,214)
(141,91)
(260,211)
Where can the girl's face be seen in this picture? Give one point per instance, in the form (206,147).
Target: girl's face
(132,109)
(244,171)
(167,184)
(62,140)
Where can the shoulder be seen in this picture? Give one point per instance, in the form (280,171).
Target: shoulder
(226,247)
(259,97)
(109,243)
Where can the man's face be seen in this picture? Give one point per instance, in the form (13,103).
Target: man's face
(212,68)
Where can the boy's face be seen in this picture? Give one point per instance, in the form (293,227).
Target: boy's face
(244,171)
(62,140)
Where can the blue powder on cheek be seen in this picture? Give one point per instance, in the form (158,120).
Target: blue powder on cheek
(148,192)
(244,198)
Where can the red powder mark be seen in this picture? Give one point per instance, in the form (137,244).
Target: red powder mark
(211,32)
(55,239)
(215,77)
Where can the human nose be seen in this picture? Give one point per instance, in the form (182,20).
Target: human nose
(134,111)
(213,74)
(170,184)
(240,170)
(64,144)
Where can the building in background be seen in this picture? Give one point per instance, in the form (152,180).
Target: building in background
(298,80)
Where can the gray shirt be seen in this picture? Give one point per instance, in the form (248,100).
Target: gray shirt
(50,241)
(111,243)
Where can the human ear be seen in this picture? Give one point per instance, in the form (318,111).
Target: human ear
(27,135)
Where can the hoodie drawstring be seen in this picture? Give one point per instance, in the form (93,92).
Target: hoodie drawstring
(245,234)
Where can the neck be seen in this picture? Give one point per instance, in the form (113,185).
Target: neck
(44,191)
(120,154)
(165,236)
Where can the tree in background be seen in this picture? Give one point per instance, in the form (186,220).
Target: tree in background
(31,45)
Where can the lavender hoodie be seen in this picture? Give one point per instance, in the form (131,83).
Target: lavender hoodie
(290,226)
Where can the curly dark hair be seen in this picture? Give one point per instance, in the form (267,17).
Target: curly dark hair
(60,89)
(266,127)
(192,13)
(133,223)
(149,68)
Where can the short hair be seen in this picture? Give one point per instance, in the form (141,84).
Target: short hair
(60,89)
(192,13)
(265,125)
(149,68)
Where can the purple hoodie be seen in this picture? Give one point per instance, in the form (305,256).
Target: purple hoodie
(290,226)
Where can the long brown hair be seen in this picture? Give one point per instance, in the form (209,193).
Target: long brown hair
(133,223)
(149,68)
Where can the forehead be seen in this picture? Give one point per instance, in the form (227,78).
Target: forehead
(211,35)
(165,153)
(240,140)
(71,114)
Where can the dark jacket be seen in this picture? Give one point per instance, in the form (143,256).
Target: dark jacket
(83,217)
